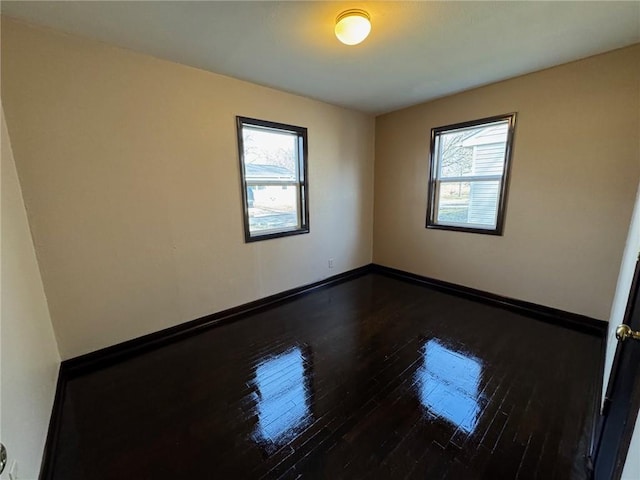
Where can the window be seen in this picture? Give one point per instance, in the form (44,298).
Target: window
(273,158)
(468,175)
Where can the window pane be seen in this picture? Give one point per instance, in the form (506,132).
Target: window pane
(453,202)
(469,164)
(269,155)
(272,168)
(474,151)
(272,207)
(474,203)
(455,158)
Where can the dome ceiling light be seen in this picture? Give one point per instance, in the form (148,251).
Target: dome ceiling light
(353,26)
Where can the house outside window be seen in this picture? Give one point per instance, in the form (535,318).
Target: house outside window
(468,175)
(273,170)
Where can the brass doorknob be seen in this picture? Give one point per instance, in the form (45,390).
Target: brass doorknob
(624,331)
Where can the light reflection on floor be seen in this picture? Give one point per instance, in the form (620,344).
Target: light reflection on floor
(282,397)
(448,385)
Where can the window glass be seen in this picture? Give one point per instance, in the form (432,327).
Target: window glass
(468,175)
(273,169)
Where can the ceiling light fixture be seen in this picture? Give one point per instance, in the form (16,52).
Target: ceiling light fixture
(353,26)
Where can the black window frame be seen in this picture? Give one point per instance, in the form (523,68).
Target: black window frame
(432,202)
(302,183)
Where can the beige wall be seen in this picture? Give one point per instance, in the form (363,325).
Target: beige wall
(129,169)
(28,352)
(575,168)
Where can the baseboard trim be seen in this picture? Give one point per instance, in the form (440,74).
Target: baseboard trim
(555,316)
(121,351)
(116,353)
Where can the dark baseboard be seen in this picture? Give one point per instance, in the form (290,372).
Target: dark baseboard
(562,318)
(121,351)
(110,355)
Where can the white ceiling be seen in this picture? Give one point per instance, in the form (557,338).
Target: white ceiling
(416,51)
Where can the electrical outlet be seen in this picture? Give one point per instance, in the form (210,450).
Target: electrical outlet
(331,263)
(13,470)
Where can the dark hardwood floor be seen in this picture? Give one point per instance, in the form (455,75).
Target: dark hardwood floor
(370,378)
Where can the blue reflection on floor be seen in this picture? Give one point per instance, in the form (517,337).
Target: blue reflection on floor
(283,397)
(448,385)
